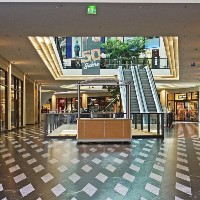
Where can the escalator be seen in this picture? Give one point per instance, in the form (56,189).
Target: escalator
(134,101)
(151,106)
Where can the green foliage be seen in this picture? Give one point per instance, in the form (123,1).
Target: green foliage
(125,50)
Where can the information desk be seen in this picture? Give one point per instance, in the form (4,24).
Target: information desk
(104,130)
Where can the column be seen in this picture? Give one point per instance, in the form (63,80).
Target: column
(53,103)
(36,103)
(30,102)
(24,100)
(9,95)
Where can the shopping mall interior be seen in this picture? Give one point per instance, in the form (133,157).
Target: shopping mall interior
(75,102)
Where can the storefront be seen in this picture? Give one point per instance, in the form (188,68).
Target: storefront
(184,105)
(16,102)
(3,100)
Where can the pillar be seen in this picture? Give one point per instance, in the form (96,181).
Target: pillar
(30,102)
(24,100)
(53,103)
(36,103)
(9,96)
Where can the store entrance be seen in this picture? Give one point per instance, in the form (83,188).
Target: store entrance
(186,111)
(184,106)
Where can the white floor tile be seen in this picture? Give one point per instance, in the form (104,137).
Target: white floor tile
(6,155)
(160,160)
(135,168)
(145,149)
(31,161)
(139,160)
(143,154)
(121,189)
(85,155)
(14,168)
(26,190)
(46,178)
(58,190)
(156,177)
(39,150)
(182,176)
(19,178)
(96,161)
(183,188)
(111,168)
(123,154)
(26,155)
(101,177)
(105,155)
(38,168)
(12,160)
(86,168)
(181,154)
(182,160)
(117,160)
(74,177)
(21,150)
(158,167)
(153,189)
(128,177)
(89,189)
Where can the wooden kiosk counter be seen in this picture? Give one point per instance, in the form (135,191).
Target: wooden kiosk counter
(104,129)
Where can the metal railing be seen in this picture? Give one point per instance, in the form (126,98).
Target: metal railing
(114,63)
(153,123)
(149,122)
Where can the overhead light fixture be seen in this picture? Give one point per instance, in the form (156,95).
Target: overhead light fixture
(46,50)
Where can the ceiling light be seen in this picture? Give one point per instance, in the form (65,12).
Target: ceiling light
(45,47)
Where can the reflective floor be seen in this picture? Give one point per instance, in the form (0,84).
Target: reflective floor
(33,168)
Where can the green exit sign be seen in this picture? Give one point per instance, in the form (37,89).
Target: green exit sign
(92,10)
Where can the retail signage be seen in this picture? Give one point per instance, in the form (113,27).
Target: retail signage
(91,10)
(91,56)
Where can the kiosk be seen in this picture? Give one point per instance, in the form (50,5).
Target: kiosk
(105,129)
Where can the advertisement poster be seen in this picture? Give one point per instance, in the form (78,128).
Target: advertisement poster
(91,56)
(76,47)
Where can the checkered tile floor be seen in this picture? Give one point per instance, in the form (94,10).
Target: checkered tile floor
(146,169)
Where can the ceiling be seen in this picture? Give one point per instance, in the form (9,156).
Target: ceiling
(20,20)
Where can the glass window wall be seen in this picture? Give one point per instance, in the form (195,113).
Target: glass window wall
(3,100)
(16,102)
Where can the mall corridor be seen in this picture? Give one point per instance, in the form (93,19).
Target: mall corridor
(147,169)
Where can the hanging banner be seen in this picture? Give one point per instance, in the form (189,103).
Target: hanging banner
(91,56)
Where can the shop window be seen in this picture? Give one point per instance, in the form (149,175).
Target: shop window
(195,95)
(3,100)
(16,102)
(189,96)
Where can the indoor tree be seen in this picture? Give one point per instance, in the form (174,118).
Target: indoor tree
(125,51)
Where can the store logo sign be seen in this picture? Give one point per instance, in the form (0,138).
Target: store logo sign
(91,62)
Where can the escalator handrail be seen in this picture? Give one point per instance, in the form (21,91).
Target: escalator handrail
(122,88)
(137,89)
(141,90)
(154,90)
